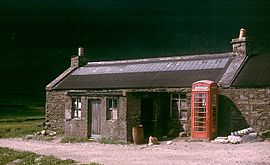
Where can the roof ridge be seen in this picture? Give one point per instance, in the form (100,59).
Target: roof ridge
(158,59)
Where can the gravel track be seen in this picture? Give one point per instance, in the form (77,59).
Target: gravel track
(179,152)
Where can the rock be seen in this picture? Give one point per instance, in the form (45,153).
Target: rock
(222,140)
(52,133)
(234,139)
(169,142)
(43,132)
(252,137)
(242,132)
(28,137)
(183,134)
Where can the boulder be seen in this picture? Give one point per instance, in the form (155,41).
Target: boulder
(222,140)
(28,137)
(252,137)
(234,139)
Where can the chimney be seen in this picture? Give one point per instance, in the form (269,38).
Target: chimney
(240,44)
(78,60)
(80,51)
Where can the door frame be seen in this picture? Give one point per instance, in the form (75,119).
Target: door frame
(90,119)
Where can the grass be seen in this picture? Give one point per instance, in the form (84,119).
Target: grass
(9,155)
(20,116)
(19,128)
(67,139)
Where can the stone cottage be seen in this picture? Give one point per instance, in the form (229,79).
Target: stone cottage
(106,99)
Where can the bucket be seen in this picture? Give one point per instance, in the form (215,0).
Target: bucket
(138,135)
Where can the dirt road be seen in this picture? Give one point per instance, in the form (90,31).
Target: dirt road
(179,152)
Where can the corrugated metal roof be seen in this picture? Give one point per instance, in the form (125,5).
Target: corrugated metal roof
(256,72)
(148,73)
(153,67)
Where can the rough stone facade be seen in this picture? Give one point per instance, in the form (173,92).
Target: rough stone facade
(76,127)
(58,116)
(238,108)
(115,129)
(55,109)
(252,104)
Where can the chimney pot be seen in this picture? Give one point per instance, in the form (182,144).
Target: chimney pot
(80,51)
(242,33)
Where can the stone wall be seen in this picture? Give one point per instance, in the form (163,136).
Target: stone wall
(77,127)
(115,129)
(58,116)
(55,109)
(252,103)
(110,129)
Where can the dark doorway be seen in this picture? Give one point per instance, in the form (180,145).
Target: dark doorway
(94,118)
(147,116)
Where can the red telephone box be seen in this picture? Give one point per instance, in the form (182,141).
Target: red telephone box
(204,107)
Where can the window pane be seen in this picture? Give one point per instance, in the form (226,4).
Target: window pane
(114,103)
(111,110)
(183,104)
(79,113)
(175,109)
(75,113)
(79,105)
(76,106)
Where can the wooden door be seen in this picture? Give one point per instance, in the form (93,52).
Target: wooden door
(94,119)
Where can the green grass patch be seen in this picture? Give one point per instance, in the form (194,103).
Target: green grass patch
(19,118)
(67,139)
(19,129)
(17,157)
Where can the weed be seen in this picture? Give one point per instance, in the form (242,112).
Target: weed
(68,139)
(18,129)
(8,155)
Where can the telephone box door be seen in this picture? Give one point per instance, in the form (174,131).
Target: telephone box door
(204,110)
(200,115)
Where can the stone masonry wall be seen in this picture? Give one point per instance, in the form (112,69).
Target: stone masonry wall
(77,127)
(55,110)
(253,103)
(115,129)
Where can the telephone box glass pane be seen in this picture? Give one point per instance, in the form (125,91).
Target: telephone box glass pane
(199,112)
(213,116)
